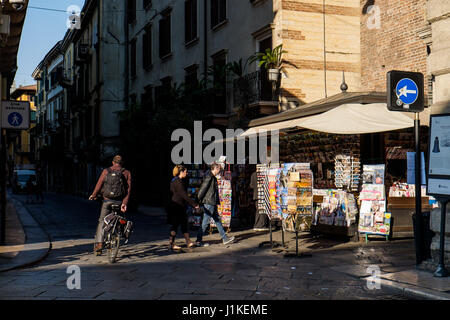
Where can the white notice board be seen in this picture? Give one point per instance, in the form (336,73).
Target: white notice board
(439,156)
(15,115)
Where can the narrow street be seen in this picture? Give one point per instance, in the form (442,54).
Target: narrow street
(147,270)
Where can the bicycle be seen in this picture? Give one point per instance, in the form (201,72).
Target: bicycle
(116,229)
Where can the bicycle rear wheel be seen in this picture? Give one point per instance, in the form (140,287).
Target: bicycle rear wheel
(114,247)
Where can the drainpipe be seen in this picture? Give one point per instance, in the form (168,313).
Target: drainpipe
(3,172)
(324,52)
(205,47)
(127,58)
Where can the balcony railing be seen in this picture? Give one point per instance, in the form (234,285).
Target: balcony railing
(253,88)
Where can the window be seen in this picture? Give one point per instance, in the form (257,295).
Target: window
(131,11)
(133,58)
(162,90)
(147,98)
(147,4)
(220,82)
(164,34)
(190,20)
(147,47)
(218,12)
(190,78)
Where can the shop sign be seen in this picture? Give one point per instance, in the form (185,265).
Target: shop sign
(405,91)
(439,156)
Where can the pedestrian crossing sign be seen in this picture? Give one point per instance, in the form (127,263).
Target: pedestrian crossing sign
(15,115)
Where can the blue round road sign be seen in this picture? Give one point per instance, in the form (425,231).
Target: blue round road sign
(15,119)
(407,91)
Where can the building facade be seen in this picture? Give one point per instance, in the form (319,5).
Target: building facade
(438,16)
(175,42)
(80,89)
(49,131)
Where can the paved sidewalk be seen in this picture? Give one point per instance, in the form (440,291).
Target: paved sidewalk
(26,242)
(399,272)
(395,260)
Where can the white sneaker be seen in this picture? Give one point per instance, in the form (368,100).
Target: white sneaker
(229,240)
(201,244)
(260,229)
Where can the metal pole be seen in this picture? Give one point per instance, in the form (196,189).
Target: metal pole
(270,229)
(441,271)
(418,220)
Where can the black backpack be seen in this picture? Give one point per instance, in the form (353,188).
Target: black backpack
(114,185)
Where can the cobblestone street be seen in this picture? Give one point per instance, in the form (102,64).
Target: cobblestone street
(146,269)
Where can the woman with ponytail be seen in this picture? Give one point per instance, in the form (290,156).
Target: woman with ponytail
(177,215)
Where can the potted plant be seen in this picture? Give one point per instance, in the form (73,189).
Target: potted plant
(271,60)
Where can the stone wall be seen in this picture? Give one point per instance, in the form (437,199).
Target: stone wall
(435,225)
(302,35)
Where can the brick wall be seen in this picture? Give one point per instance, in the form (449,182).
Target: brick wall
(396,45)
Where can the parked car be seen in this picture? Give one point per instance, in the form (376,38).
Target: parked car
(20,179)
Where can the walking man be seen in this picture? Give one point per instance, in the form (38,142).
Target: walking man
(208,195)
(115,186)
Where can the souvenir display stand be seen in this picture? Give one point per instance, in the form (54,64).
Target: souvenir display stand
(296,196)
(268,201)
(401,205)
(373,218)
(195,176)
(243,195)
(338,211)
(335,212)
(225,197)
(285,193)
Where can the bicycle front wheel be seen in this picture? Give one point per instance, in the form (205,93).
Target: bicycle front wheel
(114,247)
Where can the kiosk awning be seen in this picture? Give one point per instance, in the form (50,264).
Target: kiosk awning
(351,118)
(360,119)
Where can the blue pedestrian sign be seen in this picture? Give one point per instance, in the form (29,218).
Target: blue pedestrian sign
(15,119)
(15,115)
(405,91)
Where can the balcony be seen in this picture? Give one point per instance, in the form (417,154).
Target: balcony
(255,92)
(63,118)
(66,80)
(23,149)
(50,127)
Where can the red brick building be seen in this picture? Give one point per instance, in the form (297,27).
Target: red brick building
(390,40)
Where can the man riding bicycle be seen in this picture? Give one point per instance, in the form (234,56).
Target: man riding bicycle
(114,185)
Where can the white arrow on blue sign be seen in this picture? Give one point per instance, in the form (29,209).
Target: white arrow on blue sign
(407,91)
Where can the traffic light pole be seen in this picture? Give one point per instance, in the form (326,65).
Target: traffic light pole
(418,237)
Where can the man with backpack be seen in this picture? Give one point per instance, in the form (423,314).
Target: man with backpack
(114,185)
